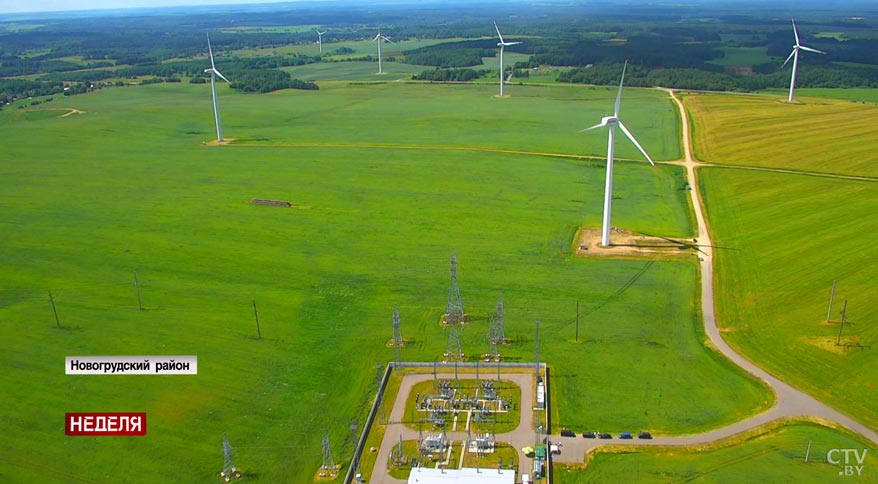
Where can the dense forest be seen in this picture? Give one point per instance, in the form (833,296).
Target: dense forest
(667,45)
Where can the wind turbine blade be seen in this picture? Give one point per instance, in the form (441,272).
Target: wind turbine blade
(619,94)
(513,43)
(222,76)
(811,50)
(210,51)
(388,39)
(498,32)
(795,32)
(788,58)
(631,137)
(599,125)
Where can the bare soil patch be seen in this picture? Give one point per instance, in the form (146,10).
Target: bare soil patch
(218,143)
(830,343)
(71,111)
(626,244)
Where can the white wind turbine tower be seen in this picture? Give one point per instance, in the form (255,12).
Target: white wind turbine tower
(213,73)
(320,40)
(502,44)
(611,122)
(794,55)
(378,38)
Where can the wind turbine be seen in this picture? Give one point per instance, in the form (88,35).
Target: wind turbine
(794,55)
(320,40)
(611,122)
(378,38)
(502,44)
(213,73)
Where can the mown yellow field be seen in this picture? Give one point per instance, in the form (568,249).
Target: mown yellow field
(819,135)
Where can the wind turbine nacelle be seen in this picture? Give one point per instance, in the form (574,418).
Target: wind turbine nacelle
(609,120)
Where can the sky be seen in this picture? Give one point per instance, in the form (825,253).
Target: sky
(21,6)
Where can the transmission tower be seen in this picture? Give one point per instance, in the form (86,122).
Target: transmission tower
(454,317)
(496,333)
(328,463)
(454,310)
(397,336)
(229,470)
(397,341)
(453,350)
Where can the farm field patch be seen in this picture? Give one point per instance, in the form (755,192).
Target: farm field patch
(817,135)
(781,240)
(775,456)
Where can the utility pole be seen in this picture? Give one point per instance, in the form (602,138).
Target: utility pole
(52,300)
(841,326)
(137,287)
(256,315)
(831,297)
(537,351)
(808,451)
(577,321)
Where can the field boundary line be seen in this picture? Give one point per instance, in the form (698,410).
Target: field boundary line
(793,172)
(477,149)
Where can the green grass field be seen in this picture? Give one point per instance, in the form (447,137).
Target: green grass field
(775,456)
(355,71)
(782,239)
(88,198)
(454,115)
(742,57)
(509,60)
(820,135)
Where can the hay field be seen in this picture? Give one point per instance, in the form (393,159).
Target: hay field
(817,135)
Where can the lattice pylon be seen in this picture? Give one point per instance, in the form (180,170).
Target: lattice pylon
(397,342)
(496,332)
(397,336)
(454,313)
(454,317)
(453,350)
(328,462)
(229,470)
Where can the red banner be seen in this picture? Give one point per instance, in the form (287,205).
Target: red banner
(105,424)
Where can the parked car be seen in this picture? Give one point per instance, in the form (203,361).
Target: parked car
(625,435)
(605,436)
(565,432)
(644,435)
(588,435)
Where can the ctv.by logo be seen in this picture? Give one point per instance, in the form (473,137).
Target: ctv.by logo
(851,460)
